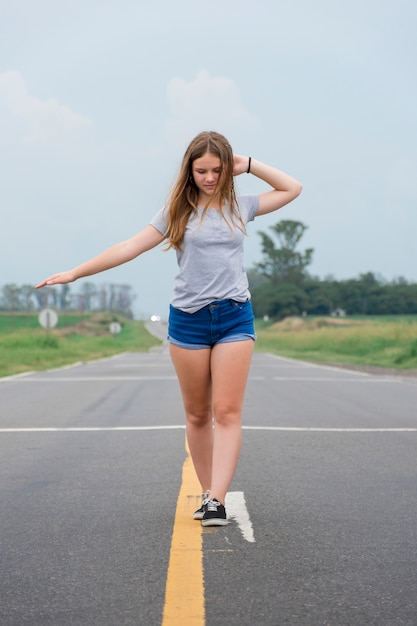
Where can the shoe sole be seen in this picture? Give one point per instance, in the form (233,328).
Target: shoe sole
(198,516)
(214,522)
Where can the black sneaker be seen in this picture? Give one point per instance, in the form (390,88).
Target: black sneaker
(200,512)
(214,513)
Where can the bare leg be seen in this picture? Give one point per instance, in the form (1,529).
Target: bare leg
(193,371)
(213,384)
(230,364)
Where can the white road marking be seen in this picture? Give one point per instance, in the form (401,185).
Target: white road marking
(237,510)
(89,379)
(313,429)
(309,379)
(300,363)
(29,378)
(88,429)
(138,365)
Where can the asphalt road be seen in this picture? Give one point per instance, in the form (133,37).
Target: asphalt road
(90,470)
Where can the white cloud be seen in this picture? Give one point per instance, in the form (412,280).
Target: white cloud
(43,120)
(207,103)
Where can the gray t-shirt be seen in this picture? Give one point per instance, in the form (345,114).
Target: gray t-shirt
(211,259)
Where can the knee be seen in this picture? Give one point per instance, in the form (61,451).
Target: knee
(226,414)
(199,417)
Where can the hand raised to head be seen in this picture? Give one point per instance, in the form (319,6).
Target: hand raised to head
(240,164)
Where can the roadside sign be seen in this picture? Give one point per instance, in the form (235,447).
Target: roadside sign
(48,318)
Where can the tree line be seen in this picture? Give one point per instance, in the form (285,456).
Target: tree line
(88,297)
(281,284)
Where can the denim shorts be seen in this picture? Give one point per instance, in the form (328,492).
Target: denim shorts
(221,321)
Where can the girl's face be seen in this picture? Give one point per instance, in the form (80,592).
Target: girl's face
(207,171)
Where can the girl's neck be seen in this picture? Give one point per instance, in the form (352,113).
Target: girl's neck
(208,201)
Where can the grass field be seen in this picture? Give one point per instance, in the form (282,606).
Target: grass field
(25,346)
(389,342)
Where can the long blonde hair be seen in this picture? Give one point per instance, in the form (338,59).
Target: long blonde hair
(182,202)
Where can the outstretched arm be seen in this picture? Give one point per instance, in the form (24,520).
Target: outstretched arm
(284,187)
(118,254)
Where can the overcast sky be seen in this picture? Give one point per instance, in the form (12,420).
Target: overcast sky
(98,100)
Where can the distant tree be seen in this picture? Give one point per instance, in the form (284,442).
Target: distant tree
(26,293)
(10,300)
(114,297)
(283,270)
(47,296)
(321,296)
(102,298)
(255,278)
(278,302)
(368,282)
(87,293)
(264,299)
(283,263)
(349,296)
(64,298)
(121,299)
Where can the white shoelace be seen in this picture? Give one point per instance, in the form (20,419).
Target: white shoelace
(212,505)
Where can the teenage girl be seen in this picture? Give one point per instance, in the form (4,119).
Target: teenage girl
(211,326)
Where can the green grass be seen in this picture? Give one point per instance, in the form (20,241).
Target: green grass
(389,342)
(18,321)
(76,338)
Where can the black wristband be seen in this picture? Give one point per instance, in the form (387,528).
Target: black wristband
(248,170)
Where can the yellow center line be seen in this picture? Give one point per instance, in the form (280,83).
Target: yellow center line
(184,593)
